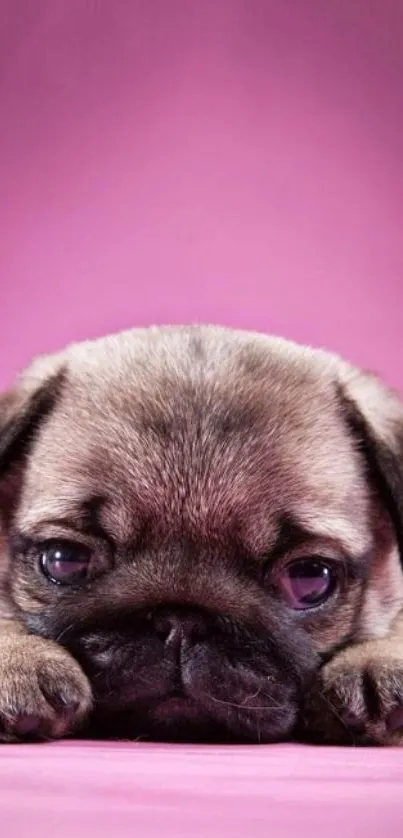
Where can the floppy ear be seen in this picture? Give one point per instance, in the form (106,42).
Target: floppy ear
(375,415)
(22,410)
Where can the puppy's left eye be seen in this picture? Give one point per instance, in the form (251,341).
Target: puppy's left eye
(64,563)
(307,583)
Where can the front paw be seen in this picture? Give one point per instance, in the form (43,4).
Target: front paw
(44,694)
(358,698)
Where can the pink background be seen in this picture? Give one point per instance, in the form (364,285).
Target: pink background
(235,161)
(231,161)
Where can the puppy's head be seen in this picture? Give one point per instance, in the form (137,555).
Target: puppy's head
(201,516)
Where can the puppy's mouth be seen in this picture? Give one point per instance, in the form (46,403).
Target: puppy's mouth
(172,718)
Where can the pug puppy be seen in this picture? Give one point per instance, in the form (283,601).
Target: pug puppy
(202,536)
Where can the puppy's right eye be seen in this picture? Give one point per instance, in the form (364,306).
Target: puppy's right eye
(308,582)
(64,563)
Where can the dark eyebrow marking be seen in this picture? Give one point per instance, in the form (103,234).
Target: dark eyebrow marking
(92,509)
(291,535)
(84,519)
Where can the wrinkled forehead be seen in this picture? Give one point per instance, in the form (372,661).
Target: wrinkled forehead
(233,450)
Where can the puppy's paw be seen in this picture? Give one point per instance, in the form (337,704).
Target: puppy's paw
(44,694)
(358,697)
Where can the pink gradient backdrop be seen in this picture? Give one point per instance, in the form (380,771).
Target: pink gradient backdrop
(201,160)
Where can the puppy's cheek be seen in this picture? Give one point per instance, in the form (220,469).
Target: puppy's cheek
(28,589)
(253,706)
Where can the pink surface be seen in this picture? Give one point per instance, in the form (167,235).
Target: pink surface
(236,161)
(100,791)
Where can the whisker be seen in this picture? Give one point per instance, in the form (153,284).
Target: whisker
(64,632)
(336,714)
(243,705)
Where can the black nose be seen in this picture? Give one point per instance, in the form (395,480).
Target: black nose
(178,626)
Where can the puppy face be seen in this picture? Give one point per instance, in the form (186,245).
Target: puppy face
(190,512)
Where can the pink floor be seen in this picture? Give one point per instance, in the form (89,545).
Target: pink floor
(234,161)
(100,791)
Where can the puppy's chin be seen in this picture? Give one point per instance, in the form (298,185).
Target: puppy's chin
(231,686)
